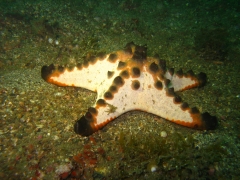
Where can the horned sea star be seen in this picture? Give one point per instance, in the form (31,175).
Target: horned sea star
(129,80)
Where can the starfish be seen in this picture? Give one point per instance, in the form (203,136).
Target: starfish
(128,80)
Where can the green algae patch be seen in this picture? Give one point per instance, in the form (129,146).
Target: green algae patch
(177,155)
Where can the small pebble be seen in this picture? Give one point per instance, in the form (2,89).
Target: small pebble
(163,134)
(50,40)
(153,168)
(56,42)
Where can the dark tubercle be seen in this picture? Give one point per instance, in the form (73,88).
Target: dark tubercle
(158,85)
(136,72)
(162,65)
(166,82)
(171,71)
(184,106)
(118,81)
(79,65)
(83,126)
(93,110)
(135,85)
(112,57)
(194,110)
(108,95)
(128,48)
(124,74)
(153,67)
(121,65)
(177,99)
(101,102)
(139,52)
(202,78)
(113,89)
(210,122)
(179,73)
(46,71)
(170,92)
(101,55)
(70,68)
(85,63)
(190,73)
(61,68)
(91,59)
(110,74)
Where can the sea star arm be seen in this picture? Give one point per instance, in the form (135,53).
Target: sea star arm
(147,95)
(89,75)
(182,81)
